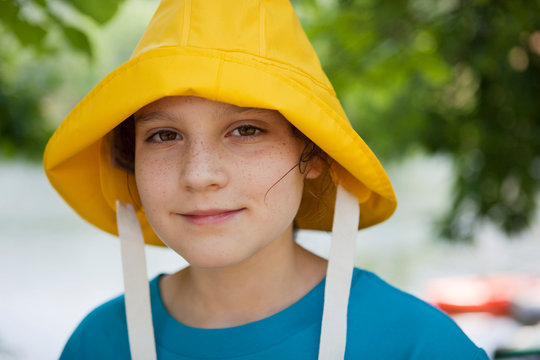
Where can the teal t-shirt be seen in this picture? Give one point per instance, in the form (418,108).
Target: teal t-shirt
(383,323)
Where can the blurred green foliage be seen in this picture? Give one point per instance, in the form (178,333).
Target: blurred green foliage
(457,77)
(453,77)
(23,129)
(32,33)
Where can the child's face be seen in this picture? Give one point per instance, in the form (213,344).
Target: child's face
(209,175)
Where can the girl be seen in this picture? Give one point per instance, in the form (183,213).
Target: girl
(217,138)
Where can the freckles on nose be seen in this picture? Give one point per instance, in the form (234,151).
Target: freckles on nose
(205,150)
(202,165)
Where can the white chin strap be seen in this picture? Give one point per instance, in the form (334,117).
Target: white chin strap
(339,276)
(137,292)
(336,296)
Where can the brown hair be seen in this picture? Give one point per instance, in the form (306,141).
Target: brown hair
(123,145)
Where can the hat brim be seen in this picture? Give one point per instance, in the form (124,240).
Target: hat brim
(77,158)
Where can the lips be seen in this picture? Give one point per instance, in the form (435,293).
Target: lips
(210,216)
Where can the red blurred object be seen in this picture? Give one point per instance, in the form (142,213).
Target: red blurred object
(492,294)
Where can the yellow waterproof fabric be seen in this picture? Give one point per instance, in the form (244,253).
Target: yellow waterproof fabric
(250,53)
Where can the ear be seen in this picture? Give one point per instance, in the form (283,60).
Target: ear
(315,167)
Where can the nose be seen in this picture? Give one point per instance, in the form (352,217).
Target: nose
(203,167)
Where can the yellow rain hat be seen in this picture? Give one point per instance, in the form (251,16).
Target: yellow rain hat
(250,53)
(220,51)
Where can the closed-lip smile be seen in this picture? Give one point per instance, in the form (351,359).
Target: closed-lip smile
(210,216)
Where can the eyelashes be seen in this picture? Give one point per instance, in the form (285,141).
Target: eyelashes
(246,131)
(164,136)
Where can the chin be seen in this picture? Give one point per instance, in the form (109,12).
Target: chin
(215,261)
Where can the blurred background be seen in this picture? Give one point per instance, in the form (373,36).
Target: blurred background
(446,92)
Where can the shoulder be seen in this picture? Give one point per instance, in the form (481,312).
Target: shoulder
(395,322)
(101,334)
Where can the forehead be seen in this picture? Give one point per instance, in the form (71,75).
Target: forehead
(198,104)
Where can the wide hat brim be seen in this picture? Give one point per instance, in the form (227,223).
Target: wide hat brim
(77,158)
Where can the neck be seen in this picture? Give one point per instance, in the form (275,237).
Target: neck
(261,286)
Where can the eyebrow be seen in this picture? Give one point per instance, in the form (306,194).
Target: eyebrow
(232,109)
(151,116)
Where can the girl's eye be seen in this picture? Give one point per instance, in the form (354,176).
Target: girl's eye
(164,135)
(246,130)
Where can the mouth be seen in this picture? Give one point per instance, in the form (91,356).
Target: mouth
(210,216)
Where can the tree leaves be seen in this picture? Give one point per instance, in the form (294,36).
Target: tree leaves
(27,33)
(77,39)
(100,11)
(33,33)
(23,127)
(456,77)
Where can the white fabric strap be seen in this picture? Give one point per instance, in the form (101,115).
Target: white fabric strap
(339,276)
(137,291)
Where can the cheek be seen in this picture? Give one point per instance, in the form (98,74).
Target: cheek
(273,175)
(153,178)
